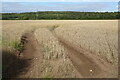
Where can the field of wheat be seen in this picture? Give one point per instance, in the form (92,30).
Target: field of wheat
(65,48)
(99,40)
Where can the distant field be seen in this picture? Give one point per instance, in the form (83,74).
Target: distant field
(60,48)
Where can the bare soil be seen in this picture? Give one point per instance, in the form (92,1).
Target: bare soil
(32,52)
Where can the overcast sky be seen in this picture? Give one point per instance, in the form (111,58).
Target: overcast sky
(17,7)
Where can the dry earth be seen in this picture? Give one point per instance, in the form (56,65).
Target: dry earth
(59,52)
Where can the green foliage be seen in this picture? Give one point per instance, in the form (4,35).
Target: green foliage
(16,45)
(57,15)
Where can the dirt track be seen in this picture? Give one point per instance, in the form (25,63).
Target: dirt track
(32,51)
(86,64)
(83,63)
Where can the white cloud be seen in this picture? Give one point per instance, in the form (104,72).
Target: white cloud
(20,7)
(60,0)
(117,6)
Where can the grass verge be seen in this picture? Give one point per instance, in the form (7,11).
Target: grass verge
(16,45)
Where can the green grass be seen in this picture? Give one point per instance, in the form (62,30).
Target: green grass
(16,45)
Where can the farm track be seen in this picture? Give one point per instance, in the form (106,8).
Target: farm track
(82,63)
(32,51)
(85,61)
(31,54)
(86,65)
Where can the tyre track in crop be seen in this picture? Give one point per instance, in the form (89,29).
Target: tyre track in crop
(84,65)
(23,59)
(31,51)
(87,64)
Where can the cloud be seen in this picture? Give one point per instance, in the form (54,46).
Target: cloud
(60,0)
(18,7)
(55,6)
(80,6)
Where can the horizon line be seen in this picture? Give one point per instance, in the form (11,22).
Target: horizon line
(65,11)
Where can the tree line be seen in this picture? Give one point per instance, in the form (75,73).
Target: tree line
(54,15)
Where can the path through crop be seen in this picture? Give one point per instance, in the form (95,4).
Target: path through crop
(87,66)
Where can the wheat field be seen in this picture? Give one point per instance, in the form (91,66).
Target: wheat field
(100,40)
(66,48)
